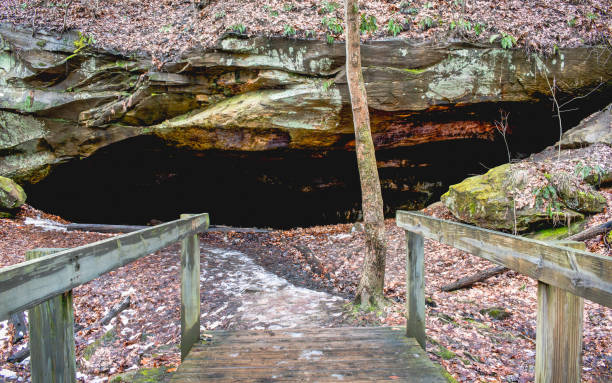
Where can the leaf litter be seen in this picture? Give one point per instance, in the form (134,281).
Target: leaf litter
(324,260)
(167,29)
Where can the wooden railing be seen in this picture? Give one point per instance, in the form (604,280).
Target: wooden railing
(44,282)
(565,276)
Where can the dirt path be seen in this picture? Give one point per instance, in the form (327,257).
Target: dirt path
(237,293)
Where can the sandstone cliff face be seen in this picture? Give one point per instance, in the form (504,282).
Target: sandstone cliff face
(262,94)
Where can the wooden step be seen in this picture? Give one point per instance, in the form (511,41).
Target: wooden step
(365,354)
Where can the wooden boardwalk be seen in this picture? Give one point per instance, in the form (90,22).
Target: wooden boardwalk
(308,355)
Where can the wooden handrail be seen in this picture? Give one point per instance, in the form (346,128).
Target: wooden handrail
(565,274)
(582,273)
(28,283)
(44,285)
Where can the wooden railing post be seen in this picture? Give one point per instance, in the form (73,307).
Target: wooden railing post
(52,357)
(415,287)
(190,292)
(559,332)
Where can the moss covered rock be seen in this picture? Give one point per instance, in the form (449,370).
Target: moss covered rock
(481,199)
(11,195)
(578,197)
(487,201)
(497,313)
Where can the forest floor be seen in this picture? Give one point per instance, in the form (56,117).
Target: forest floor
(165,29)
(290,278)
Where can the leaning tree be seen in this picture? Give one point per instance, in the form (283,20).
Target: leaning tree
(370,289)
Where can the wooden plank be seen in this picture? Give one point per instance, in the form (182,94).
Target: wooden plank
(559,333)
(190,291)
(307,333)
(382,354)
(52,355)
(28,283)
(579,272)
(415,288)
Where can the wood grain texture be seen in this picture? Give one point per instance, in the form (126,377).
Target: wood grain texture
(559,333)
(308,355)
(190,292)
(28,283)
(415,288)
(579,272)
(52,348)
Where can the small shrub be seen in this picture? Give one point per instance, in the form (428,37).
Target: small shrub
(310,33)
(329,7)
(571,22)
(426,23)
(407,9)
(219,15)
(591,16)
(507,40)
(333,25)
(330,39)
(368,24)
(393,27)
(585,171)
(478,28)
(288,7)
(239,28)
(289,30)
(547,195)
(83,42)
(271,12)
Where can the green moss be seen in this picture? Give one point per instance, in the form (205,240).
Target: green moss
(41,43)
(4,214)
(414,71)
(445,353)
(146,375)
(556,233)
(107,338)
(497,313)
(447,375)
(11,194)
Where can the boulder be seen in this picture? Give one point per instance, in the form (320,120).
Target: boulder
(576,196)
(11,195)
(507,198)
(597,128)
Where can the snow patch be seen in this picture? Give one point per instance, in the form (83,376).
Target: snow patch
(4,335)
(267,301)
(45,224)
(341,236)
(7,373)
(311,354)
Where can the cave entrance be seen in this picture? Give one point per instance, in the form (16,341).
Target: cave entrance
(141,179)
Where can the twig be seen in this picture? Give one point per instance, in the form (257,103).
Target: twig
(113,312)
(502,128)
(478,277)
(66,15)
(556,103)
(579,97)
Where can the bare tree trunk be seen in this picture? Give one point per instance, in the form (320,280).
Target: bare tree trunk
(370,289)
